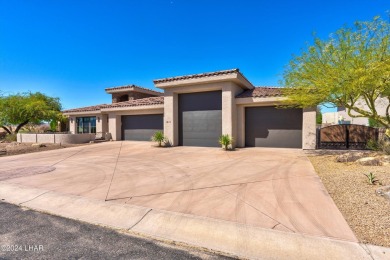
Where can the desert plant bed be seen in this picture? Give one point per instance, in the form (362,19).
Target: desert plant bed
(8,149)
(348,183)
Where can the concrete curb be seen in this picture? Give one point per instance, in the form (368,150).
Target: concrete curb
(232,238)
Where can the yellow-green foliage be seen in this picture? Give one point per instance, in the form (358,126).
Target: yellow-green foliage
(353,65)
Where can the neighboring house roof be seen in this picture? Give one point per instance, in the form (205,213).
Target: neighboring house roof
(200,75)
(133,88)
(131,103)
(261,92)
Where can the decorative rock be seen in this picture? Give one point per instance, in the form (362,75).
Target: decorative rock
(351,157)
(3,152)
(38,145)
(369,161)
(384,191)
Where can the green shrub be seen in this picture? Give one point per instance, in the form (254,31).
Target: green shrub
(374,123)
(159,138)
(373,145)
(225,141)
(10,138)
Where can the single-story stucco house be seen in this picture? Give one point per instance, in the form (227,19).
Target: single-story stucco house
(194,110)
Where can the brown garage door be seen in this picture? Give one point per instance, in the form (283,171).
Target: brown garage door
(273,127)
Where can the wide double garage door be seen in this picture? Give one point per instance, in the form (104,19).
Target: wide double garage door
(200,118)
(273,127)
(141,127)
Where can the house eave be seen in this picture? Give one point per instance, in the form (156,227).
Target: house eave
(132,108)
(234,77)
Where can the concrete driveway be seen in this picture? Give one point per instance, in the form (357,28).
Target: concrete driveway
(262,187)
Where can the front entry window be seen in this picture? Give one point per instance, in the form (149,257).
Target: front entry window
(86,125)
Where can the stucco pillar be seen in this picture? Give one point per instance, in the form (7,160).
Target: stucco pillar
(99,124)
(240,141)
(229,110)
(171,119)
(309,128)
(114,126)
(72,124)
(104,119)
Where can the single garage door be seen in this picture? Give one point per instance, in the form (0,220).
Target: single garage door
(273,127)
(200,118)
(141,127)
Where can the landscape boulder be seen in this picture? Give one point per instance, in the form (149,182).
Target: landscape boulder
(369,161)
(351,156)
(384,191)
(38,145)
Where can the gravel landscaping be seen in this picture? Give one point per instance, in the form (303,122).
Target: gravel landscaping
(7,149)
(367,213)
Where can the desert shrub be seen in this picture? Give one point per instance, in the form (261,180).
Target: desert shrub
(373,145)
(225,141)
(159,137)
(385,147)
(10,138)
(371,179)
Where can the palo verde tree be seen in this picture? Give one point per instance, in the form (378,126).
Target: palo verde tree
(351,69)
(23,108)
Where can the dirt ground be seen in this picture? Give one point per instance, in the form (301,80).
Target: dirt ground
(22,148)
(367,213)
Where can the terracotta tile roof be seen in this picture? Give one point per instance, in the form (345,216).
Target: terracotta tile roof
(261,92)
(138,102)
(85,109)
(200,75)
(131,103)
(134,87)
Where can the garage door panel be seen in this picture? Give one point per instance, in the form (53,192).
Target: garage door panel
(280,139)
(141,127)
(273,127)
(200,117)
(139,134)
(201,127)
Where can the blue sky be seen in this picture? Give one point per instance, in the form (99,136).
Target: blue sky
(76,49)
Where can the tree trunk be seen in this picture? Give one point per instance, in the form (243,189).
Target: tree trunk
(6,129)
(20,126)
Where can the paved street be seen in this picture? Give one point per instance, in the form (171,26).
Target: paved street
(42,236)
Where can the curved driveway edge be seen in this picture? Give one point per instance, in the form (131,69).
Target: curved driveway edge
(233,238)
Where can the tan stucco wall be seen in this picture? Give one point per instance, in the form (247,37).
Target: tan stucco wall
(55,138)
(171,124)
(114,126)
(229,110)
(309,135)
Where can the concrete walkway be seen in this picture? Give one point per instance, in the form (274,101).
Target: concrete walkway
(184,193)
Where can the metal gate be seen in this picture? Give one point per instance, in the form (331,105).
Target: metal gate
(346,136)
